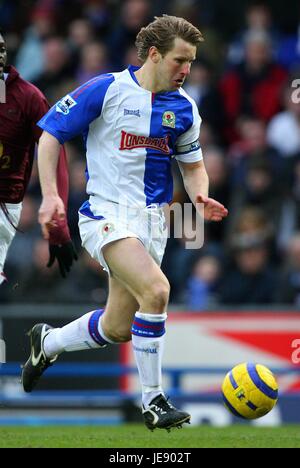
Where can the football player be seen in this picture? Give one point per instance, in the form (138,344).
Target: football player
(21,106)
(134,122)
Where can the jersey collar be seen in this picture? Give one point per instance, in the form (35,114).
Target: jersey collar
(132,69)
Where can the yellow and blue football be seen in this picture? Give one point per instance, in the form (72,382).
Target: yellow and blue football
(250,391)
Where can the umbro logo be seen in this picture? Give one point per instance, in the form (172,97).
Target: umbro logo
(132,112)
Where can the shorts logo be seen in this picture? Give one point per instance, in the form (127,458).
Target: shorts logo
(65,104)
(107,229)
(132,112)
(130,141)
(169,119)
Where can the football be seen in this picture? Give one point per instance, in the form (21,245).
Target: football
(250,391)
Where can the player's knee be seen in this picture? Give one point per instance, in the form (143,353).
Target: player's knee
(157,295)
(119,334)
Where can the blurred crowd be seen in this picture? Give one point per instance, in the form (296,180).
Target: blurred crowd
(246,83)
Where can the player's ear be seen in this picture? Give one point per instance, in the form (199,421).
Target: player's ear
(154,54)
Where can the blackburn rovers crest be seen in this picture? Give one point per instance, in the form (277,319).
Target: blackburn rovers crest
(107,229)
(169,119)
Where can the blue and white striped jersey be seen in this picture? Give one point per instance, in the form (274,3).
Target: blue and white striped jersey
(130,134)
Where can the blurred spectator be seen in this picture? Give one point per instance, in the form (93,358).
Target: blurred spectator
(252,227)
(250,278)
(295,186)
(93,62)
(80,33)
(31,60)
(7,13)
(57,66)
(199,85)
(289,49)
(261,191)
(87,284)
(179,259)
(207,136)
(252,145)
(58,10)
(258,18)
(131,57)
(37,283)
(284,129)
(254,87)
(219,189)
(133,15)
(202,284)
(98,14)
(289,291)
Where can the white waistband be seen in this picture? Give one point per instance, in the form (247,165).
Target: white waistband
(12,206)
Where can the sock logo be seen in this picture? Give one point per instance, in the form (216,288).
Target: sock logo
(88,345)
(145,350)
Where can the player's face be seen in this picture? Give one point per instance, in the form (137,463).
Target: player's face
(3,55)
(175,66)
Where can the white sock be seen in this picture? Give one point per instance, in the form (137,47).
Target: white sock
(148,332)
(83,333)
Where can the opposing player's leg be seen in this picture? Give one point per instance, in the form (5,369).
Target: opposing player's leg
(47,343)
(132,265)
(9,217)
(37,362)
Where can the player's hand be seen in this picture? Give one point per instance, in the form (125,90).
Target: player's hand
(213,210)
(51,208)
(65,254)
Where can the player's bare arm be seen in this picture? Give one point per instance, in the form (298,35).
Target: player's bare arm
(52,204)
(196,184)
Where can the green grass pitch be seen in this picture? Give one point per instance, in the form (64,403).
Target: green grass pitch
(137,436)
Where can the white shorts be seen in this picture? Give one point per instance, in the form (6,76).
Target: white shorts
(7,231)
(146,224)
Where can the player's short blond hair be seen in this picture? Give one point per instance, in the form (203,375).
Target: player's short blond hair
(162,32)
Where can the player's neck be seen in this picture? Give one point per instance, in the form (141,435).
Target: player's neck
(147,79)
